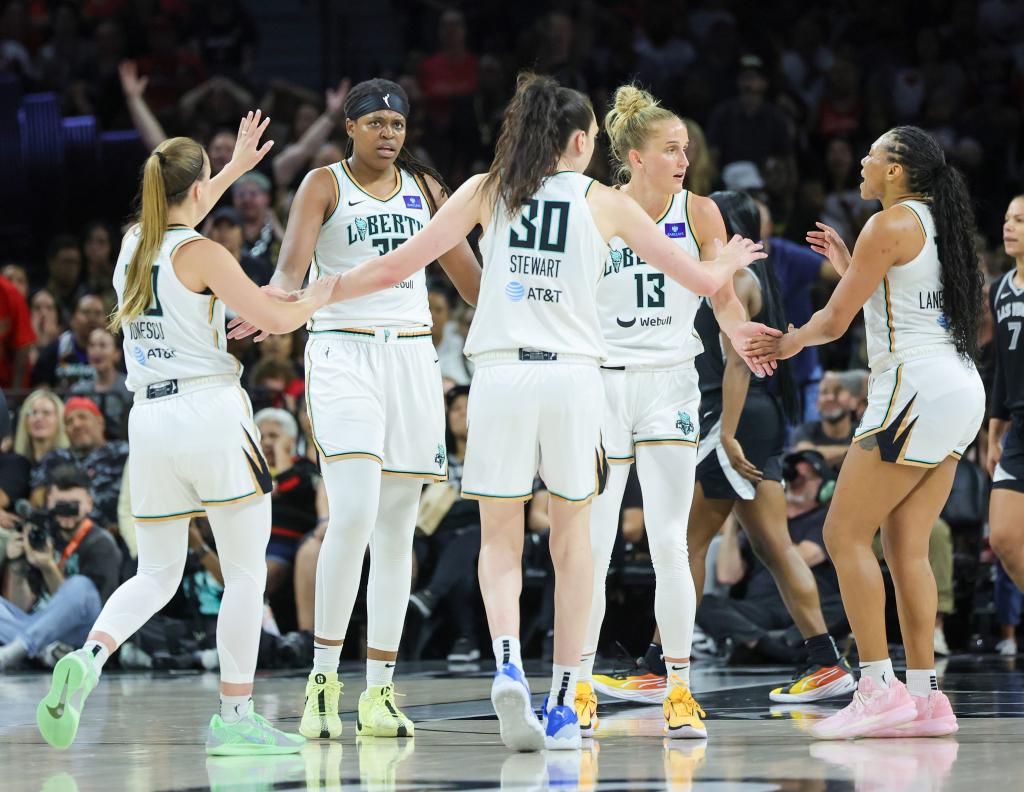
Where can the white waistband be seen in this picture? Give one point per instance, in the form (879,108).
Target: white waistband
(516,356)
(651,367)
(176,387)
(374,335)
(891,359)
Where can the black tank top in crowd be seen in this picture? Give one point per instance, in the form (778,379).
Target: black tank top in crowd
(1007,303)
(711,362)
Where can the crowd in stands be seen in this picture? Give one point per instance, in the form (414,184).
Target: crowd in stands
(817,84)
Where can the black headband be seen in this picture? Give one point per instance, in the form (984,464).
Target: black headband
(377,101)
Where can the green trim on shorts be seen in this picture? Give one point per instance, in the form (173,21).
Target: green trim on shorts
(573,500)
(229,500)
(172,516)
(526,495)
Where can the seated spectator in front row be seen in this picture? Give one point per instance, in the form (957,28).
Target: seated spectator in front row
(108,388)
(855,392)
(103,461)
(293,501)
(757,619)
(56,579)
(448,541)
(40,428)
(832,434)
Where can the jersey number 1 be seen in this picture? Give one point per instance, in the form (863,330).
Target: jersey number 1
(156,309)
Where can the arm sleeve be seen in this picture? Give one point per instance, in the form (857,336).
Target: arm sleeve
(100,561)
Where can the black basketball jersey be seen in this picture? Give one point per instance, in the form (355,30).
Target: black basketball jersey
(711,362)
(1007,302)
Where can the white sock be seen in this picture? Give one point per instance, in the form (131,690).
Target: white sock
(507,650)
(234,708)
(563,685)
(880,671)
(379,672)
(921,682)
(587,667)
(99,653)
(326,659)
(679,670)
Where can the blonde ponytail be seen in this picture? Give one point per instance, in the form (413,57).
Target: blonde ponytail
(169,172)
(630,123)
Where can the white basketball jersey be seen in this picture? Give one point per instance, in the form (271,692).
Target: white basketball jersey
(646,317)
(540,274)
(181,335)
(905,310)
(361,228)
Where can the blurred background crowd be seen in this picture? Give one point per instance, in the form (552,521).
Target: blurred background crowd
(781,99)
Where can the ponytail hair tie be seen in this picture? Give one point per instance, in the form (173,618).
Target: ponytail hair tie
(160,156)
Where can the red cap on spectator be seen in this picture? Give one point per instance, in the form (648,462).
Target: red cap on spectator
(82,403)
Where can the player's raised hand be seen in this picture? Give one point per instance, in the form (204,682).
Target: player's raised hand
(739,253)
(335,97)
(827,242)
(239,328)
(248,151)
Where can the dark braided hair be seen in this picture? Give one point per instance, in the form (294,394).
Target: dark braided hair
(742,216)
(929,174)
(405,160)
(537,124)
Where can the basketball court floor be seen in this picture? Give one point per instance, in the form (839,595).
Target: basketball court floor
(145,732)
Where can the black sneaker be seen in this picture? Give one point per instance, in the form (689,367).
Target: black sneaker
(463,651)
(423,601)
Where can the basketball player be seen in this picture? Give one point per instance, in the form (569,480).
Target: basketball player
(915,273)
(195,448)
(1006,426)
(537,399)
(651,391)
(373,390)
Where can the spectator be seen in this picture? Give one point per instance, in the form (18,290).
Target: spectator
(854,394)
(149,128)
(261,230)
(55,583)
(298,156)
(103,462)
(450,537)
(447,340)
(66,360)
(799,269)
(17,275)
(841,112)
(17,339)
(274,383)
(170,68)
(449,79)
(701,174)
(843,209)
(730,123)
(832,434)
(108,387)
(98,247)
(293,500)
(64,271)
(226,37)
(226,229)
(46,323)
(14,474)
(758,619)
(40,427)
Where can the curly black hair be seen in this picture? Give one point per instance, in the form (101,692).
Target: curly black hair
(405,160)
(929,174)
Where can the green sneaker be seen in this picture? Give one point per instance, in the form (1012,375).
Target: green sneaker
(320,719)
(251,736)
(379,716)
(57,715)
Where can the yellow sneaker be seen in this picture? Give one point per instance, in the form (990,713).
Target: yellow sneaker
(631,686)
(586,709)
(320,719)
(379,716)
(683,715)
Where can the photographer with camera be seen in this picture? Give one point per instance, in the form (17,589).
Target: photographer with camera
(58,572)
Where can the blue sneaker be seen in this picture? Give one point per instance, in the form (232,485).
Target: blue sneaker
(510,695)
(561,727)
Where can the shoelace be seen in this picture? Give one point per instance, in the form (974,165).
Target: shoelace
(690,705)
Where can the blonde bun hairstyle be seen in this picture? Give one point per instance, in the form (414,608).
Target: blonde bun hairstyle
(630,123)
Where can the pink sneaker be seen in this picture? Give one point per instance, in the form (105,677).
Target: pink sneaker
(872,709)
(935,718)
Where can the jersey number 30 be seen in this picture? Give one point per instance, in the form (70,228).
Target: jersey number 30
(554,226)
